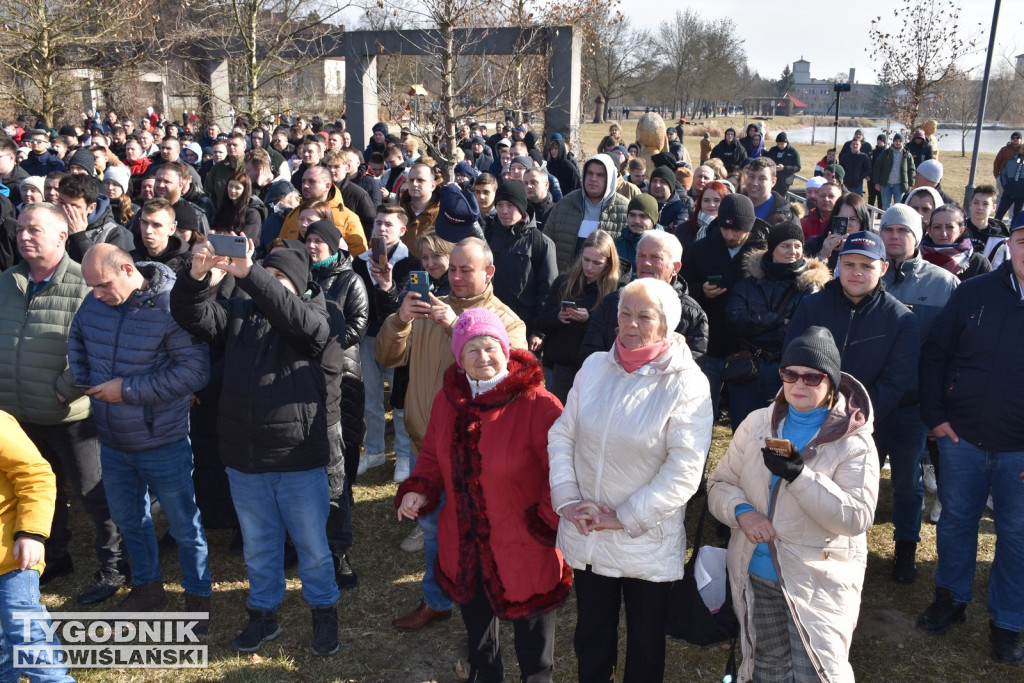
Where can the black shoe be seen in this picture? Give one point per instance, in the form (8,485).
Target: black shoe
(904,568)
(105,584)
(291,557)
(325,630)
(1006,647)
(941,613)
(262,627)
(55,569)
(167,542)
(343,572)
(236,546)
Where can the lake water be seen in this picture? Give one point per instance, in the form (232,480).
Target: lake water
(949,140)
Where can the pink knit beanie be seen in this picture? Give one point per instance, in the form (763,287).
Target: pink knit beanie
(476,322)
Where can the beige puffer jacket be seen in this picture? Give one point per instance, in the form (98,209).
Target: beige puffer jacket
(821,520)
(635,442)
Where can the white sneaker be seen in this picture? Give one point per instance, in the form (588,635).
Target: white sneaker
(401,469)
(370,460)
(936,512)
(930,485)
(414,541)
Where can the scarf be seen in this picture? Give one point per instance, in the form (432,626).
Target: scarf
(637,358)
(953,257)
(326,263)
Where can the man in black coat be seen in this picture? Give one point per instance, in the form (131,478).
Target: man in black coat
(787,163)
(272,424)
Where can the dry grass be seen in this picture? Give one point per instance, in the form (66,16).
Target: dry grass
(886,648)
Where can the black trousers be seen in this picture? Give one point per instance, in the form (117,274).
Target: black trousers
(597,627)
(339,517)
(534,639)
(73,452)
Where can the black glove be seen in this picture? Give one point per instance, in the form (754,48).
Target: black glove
(786,468)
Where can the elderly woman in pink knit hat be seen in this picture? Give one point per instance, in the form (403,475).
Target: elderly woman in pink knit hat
(486,449)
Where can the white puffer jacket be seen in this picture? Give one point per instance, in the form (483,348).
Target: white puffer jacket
(635,442)
(821,520)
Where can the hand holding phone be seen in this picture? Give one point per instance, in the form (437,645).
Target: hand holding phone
(379,252)
(780,447)
(419,282)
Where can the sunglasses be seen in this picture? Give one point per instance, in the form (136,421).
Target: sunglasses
(810,379)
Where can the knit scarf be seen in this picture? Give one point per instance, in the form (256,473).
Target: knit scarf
(326,263)
(952,257)
(632,360)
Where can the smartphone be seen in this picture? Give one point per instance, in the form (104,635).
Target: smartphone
(716,280)
(379,253)
(419,282)
(839,225)
(229,245)
(568,304)
(780,447)
(83,387)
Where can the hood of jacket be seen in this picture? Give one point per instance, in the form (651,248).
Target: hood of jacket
(851,412)
(159,279)
(611,176)
(102,214)
(814,273)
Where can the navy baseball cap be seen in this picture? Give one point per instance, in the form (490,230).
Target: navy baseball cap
(458,214)
(864,243)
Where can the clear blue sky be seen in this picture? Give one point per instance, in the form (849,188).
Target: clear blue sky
(832,36)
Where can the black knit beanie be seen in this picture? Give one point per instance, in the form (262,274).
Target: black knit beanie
(781,232)
(293,263)
(327,231)
(513,191)
(815,348)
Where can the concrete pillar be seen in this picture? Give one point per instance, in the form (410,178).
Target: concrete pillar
(215,102)
(565,60)
(362,106)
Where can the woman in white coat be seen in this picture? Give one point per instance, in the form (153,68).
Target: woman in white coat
(626,455)
(799,524)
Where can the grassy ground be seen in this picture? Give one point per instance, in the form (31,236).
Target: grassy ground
(885,647)
(956,168)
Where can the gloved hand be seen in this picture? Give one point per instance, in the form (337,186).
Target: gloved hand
(786,468)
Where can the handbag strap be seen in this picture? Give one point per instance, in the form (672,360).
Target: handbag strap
(786,298)
(699,536)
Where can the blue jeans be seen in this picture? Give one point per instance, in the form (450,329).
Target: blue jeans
(374,376)
(891,194)
(966,476)
(712,368)
(906,446)
(167,471)
(432,593)
(270,503)
(19,592)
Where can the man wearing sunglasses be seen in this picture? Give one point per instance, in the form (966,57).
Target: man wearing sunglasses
(877,335)
(40,159)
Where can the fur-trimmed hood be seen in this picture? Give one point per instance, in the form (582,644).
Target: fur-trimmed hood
(812,277)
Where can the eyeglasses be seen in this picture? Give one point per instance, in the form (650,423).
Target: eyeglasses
(38,142)
(810,379)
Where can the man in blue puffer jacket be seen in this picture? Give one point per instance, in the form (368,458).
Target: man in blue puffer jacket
(140,370)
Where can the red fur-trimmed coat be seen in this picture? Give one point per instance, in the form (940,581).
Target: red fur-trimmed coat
(489,455)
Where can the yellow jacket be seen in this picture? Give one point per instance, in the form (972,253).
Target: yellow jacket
(28,491)
(427,348)
(344,219)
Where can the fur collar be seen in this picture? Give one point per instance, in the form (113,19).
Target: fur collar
(813,277)
(524,373)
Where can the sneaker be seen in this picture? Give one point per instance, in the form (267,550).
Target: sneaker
(199,603)
(402,469)
(105,584)
(325,630)
(262,627)
(1006,647)
(145,597)
(904,568)
(941,613)
(414,541)
(936,511)
(370,460)
(343,572)
(930,483)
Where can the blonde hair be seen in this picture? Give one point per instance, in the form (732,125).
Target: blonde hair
(431,241)
(607,282)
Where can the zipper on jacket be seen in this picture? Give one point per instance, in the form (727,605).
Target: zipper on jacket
(113,357)
(849,327)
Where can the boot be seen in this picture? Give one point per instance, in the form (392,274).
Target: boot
(904,568)
(343,572)
(941,613)
(145,597)
(325,630)
(262,627)
(105,583)
(1006,648)
(199,603)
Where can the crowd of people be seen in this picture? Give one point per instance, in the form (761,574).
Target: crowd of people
(218,323)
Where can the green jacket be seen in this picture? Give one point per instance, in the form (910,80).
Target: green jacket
(563,224)
(883,165)
(34,345)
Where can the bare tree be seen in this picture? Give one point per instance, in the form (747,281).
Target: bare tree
(679,41)
(44,44)
(922,54)
(960,103)
(613,65)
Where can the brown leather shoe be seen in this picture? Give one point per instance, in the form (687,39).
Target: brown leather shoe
(420,617)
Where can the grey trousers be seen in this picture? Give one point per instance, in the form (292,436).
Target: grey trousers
(779,654)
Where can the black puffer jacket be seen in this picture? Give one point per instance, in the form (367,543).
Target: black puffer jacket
(272,413)
(753,308)
(524,266)
(710,256)
(563,341)
(604,324)
(344,287)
